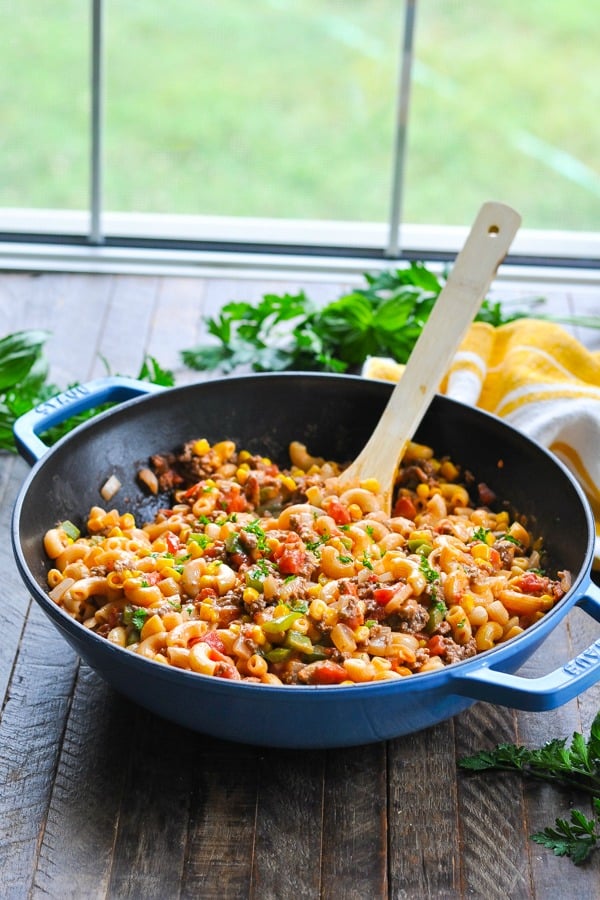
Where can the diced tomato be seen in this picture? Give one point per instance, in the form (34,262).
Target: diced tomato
(291,561)
(213,640)
(172,541)
(404,507)
(436,645)
(328,672)
(532,583)
(235,502)
(495,558)
(227,670)
(193,490)
(338,512)
(383,595)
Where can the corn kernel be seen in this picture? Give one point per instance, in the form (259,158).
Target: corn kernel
(250,595)
(481,551)
(361,634)
(371,484)
(314,495)
(288,482)
(242,473)
(502,521)
(224,449)
(422,491)
(208,613)
(257,635)
(200,447)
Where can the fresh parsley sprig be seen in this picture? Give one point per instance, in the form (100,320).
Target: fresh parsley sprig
(383,318)
(575,838)
(575,765)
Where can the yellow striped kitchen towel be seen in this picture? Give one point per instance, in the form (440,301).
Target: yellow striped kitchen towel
(541,380)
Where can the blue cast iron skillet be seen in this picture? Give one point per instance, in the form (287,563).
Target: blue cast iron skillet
(333,415)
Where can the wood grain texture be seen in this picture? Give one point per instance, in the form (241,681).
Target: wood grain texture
(355,823)
(423,815)
(101,800)
(31,733)
(77,846)
(289,816)
(223,789)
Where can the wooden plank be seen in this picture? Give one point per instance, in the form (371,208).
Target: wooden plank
(354,826)
(543,803)
(223,788)
(127,326)
(31,730)
(16,291)
(176,322)
(494,856)
(150,841)
(15,600)
(76,850)
(72,308)
(422,818)
(287,855)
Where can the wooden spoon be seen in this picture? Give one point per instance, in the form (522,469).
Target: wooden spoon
(474,268)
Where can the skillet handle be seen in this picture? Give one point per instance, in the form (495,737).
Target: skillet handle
(548,691)
(112,389)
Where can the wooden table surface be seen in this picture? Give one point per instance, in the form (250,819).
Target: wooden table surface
(100,799)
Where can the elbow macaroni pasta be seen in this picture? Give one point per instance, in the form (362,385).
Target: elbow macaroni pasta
(281,577)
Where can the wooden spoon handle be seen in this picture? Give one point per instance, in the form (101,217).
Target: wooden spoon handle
(474,268)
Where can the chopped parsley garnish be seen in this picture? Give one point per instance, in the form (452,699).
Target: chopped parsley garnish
(135,615)
(366,561)
(201,539)
(431,574)
(255,529)
(314,545)
(509,537)
(481,534)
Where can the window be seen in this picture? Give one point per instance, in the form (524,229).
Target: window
(368,128)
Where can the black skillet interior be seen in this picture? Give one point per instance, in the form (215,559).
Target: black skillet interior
(332,415)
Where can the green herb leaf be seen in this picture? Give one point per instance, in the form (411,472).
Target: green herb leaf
(575,765)
(575,839)
(383,318)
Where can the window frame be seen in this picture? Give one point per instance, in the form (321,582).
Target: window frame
(97,238)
